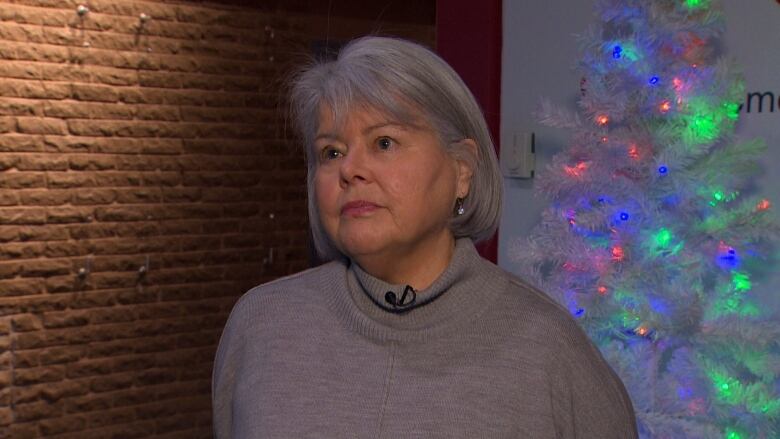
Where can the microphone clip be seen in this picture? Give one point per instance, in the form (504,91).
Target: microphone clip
(402,303)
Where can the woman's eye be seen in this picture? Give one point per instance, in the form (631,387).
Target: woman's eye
(329,153)
(385,142)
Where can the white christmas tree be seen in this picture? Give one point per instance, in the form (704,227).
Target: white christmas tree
(651,239)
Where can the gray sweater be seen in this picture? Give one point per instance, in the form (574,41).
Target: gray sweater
(322,354)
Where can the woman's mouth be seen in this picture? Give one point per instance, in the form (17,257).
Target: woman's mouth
(358,208)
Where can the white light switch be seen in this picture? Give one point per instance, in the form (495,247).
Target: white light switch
(518,155)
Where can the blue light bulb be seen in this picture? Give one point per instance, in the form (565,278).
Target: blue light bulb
(654,80)
(624,216)
(663,170)
(616,52)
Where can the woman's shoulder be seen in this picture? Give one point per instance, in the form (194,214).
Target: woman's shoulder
(539,315)
(298,287)
(311,278)
(548,330)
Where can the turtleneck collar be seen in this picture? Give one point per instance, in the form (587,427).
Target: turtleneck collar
(379,290)
(462,290)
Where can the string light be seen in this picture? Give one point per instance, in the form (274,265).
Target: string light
(654,80)
(704,121)
(732,434)
(665,106)
(727,257)
(602,290)
(741,281)
(625,51)
(602,119)
(663,237)
(577,170)
(684,392)
(624,216)
(696,406)
(723,248)
(731,109)
(720,196)
(763,205)
(617,253)
(663,170)
(570,214)
(633,151)
(695,4)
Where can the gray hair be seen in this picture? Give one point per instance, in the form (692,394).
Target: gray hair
(404,80)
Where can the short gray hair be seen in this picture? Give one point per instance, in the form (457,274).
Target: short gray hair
(389,74)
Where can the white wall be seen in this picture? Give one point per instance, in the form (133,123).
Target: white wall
(539,54)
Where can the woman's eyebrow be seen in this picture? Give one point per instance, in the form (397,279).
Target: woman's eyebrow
(384,124)
(334,136)
(326,136)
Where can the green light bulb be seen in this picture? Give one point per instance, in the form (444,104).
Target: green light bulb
(732,110)
(695,4)
(663,237)
(732,434)
(741,282)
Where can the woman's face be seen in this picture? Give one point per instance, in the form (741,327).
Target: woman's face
(383,188)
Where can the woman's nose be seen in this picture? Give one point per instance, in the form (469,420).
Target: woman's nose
(354,166)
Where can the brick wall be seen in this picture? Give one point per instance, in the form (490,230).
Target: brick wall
(145,184)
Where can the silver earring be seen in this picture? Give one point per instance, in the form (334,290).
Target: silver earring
(459,206)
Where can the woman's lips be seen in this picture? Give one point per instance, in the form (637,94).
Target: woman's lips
(357,208)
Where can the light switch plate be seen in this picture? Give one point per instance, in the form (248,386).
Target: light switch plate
(518,155)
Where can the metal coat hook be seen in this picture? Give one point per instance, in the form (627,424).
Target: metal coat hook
(142,270)
(86,269)
(269,260)
(82,11)
(143,18)
(269,35)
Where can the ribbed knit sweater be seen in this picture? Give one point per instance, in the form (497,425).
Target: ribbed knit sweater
(321,354)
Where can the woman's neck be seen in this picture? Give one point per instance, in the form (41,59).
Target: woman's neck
(418,265)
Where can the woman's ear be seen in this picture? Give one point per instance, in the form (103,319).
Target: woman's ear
(467,159)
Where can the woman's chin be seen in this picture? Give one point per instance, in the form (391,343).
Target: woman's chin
(365,245)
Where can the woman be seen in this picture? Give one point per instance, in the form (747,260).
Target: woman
(407,332)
